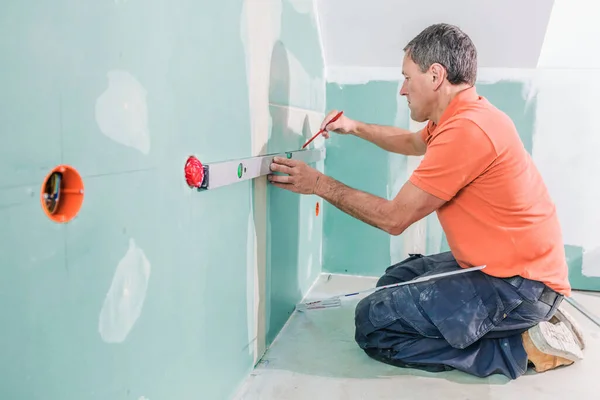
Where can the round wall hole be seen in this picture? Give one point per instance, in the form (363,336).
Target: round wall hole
(62,194)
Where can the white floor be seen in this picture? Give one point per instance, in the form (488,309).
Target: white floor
(315,357)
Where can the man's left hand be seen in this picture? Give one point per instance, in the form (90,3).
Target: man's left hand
(300,177)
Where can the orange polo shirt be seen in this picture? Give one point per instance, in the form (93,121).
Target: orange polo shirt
(498,211)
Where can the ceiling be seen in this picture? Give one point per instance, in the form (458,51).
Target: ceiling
(357,33)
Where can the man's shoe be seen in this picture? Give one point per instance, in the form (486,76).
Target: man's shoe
(549,346)
(562,315)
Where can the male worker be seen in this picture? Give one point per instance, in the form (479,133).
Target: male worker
(495,210)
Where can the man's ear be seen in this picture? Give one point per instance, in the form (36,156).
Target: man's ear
(438,74)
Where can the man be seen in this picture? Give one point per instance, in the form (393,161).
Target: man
(495,210)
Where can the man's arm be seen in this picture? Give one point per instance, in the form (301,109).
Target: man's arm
(392,216)
(391,138)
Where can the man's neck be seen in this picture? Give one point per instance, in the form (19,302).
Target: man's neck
(447,94)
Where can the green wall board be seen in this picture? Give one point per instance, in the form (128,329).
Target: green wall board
(511,98)
(150,291)
(576,278)
(351,246)
(296,102)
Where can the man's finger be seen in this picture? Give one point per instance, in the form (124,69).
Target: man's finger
(328,118)
(281,178)
(281,168)
(285,161)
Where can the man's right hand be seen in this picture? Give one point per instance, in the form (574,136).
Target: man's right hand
(390,138)
(343,125)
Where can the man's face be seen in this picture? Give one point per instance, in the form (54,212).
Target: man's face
(418,89)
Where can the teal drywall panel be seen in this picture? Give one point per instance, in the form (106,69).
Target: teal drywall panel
(299,39)
(298,16)
(30,86)
(283,230)
(576,278)
(124,92)
(150,290)
(511,98)
(293,249)
(294,231)
(349,245)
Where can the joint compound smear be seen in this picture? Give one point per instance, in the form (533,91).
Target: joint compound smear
(122,111)
(125,298)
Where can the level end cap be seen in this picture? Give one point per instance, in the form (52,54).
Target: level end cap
(194,172)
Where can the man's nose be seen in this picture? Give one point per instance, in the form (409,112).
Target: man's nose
(403,91)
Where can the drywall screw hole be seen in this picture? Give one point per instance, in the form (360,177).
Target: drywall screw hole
(61,194)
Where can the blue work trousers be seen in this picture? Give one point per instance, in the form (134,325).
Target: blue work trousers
(471,322)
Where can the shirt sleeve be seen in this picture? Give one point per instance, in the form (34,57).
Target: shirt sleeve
(455,156)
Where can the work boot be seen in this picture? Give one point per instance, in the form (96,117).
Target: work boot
(562,315)
(550,345)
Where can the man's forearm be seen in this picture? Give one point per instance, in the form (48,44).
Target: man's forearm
(390,138)
(366,207)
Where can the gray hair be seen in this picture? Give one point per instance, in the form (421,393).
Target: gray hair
(449,46)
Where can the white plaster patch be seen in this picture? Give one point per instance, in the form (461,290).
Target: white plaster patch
(309,240)
(122,111)
(303,88)
(250,284)
(125,298)
(495,75)
(435,233)
(360,75)
(525,76)
(317,16)
(415,236)
(397,172)
(343,75)
(260,27)
(591,262)
(397,176)
(565,150)
(259,211)
(311,223)
(306,283)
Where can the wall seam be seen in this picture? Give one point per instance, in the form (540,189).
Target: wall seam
(300,109)
(320,34)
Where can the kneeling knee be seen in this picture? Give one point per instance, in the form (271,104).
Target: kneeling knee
(361,312)
(362,321)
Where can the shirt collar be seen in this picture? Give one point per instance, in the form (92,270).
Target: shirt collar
(466,96)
